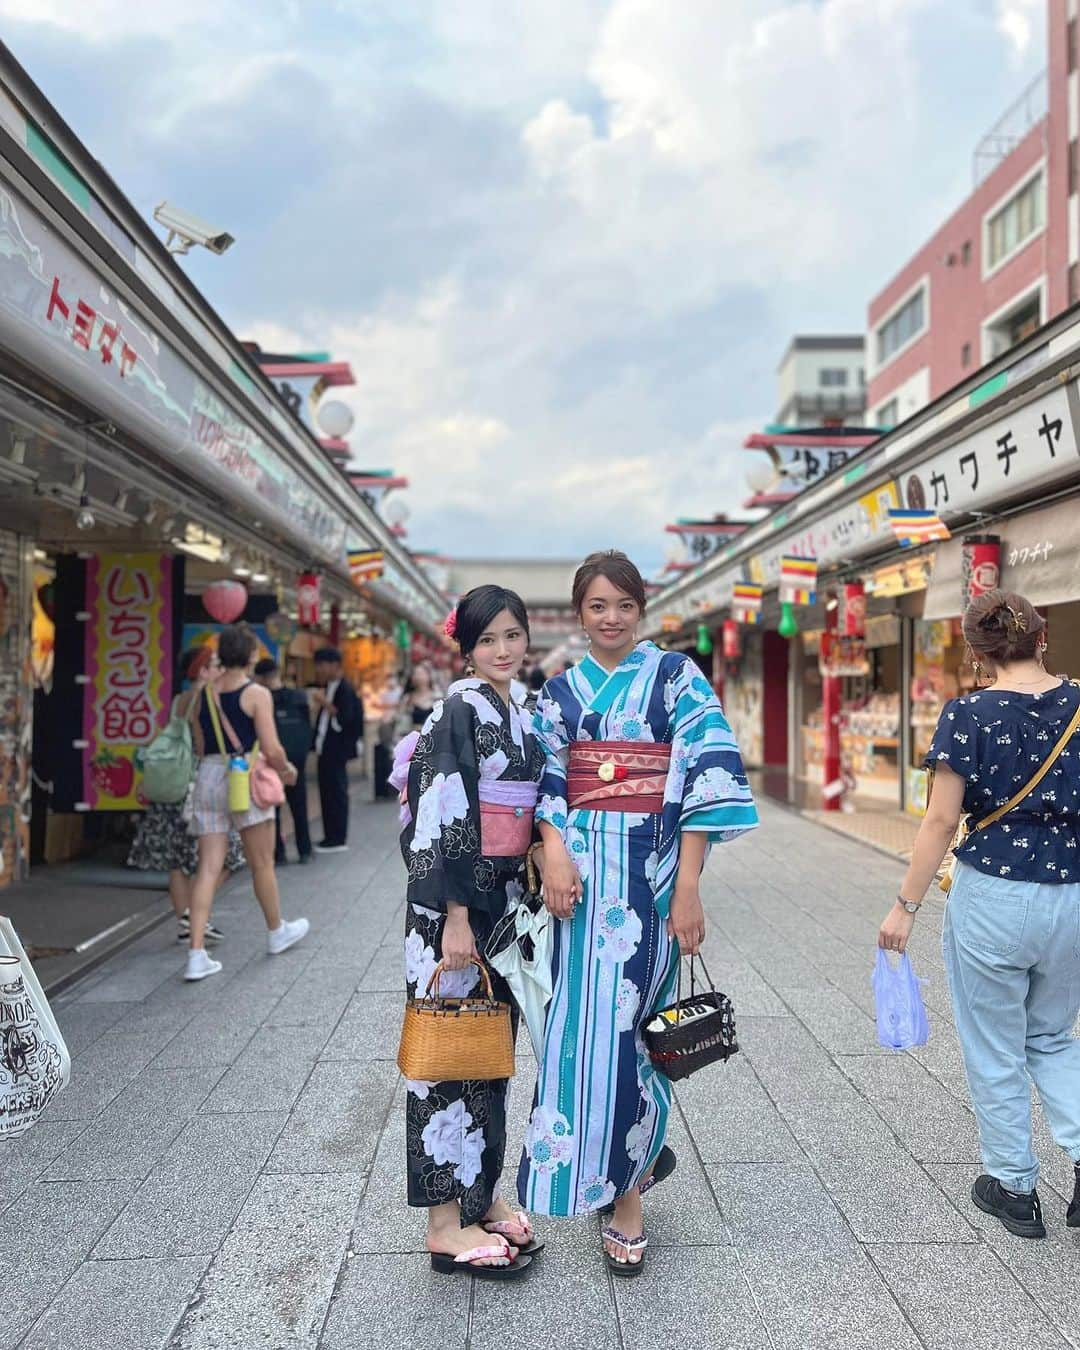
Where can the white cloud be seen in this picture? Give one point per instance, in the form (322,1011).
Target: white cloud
(562,242)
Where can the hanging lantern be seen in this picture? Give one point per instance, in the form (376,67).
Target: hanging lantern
(307,598)
(225,600)
(704,640)
(980,566)
(789,625)
(852,616)
(732,640)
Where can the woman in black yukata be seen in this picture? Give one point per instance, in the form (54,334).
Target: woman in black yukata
(475,748)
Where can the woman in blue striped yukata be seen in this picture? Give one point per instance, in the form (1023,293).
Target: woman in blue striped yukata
(642,774)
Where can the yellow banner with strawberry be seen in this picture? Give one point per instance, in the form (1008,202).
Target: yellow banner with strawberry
(127,673)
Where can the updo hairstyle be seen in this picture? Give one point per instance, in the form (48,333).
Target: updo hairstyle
(617,568)
(477,610)
(1003,627)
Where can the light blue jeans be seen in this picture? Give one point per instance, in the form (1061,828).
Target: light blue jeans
(1012,956)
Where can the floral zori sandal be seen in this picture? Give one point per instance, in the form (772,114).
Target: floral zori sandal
(472,1262)
(519,1232)
(623,1265)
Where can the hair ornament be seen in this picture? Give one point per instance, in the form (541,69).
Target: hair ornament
(1015,622)
(450,626)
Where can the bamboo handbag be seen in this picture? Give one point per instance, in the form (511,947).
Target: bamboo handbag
(692,1032)
(449,1040)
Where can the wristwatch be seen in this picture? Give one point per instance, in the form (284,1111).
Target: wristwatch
(912,906)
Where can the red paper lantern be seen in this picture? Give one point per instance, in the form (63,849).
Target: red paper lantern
(852,617)
(732,640)
(980,565)
(225,600)
(307,598)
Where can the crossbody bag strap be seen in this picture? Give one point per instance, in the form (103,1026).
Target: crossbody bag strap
(1044,769)
(217,716)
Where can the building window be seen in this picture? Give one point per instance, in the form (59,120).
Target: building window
(1074,284)
(965,252)
(965,355)
(1014,326)
(902,327)
(832,379)
(888,415)
(1070,45)
(1011,227)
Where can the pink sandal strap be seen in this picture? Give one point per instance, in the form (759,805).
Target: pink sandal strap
(499,1255)
(508,1227)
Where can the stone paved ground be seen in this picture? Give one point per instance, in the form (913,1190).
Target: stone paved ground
(226,1171)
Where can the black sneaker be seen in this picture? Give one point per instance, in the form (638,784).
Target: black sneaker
(1072,1214)
(212,934)
(1021,1214)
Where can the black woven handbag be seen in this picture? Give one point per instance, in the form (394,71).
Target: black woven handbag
(692,1032)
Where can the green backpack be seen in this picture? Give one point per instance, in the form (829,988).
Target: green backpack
(168,763)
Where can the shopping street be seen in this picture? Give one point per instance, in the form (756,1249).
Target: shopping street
(226,1168)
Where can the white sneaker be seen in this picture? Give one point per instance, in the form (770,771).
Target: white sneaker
(199,965)
(331,848)
(288,935)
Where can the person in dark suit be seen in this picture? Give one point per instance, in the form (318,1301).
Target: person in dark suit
(292,716)
(339,726)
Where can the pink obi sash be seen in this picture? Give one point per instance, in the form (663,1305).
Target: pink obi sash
(506,817)
(618,775)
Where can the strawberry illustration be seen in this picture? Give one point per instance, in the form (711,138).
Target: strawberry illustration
(113,775)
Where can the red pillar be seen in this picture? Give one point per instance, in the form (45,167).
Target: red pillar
(830,708)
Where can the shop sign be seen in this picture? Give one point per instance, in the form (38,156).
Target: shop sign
(916,791)
(63,317)
(670,623)
(128,666)
(1031,445)
(902,578)
(1039,557)
(844,533)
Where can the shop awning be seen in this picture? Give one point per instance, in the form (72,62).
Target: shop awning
(1039,554)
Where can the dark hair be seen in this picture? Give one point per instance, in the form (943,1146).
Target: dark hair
(1003,627)
(236,645)
(537,678)
(267,666)
(327,654)
(187,660)
(617,568)
(476,610)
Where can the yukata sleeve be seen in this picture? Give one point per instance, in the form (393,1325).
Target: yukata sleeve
(550,731)
(707,773)
(441,844)
(955,742)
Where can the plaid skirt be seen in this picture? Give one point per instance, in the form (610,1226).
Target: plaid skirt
(211,814)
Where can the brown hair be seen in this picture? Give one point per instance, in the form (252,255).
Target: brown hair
(617,568)
(237,644)
(1003,627)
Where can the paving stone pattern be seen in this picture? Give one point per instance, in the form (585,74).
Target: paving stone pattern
(226,1168)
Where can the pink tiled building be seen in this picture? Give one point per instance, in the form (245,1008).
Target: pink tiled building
(1006,262)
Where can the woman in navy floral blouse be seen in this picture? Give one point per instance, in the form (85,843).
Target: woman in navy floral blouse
(1012,925)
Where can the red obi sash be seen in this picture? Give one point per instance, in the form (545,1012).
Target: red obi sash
(618,775)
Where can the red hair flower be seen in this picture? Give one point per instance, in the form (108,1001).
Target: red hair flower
(450,626)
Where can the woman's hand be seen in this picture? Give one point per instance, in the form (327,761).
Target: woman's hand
(686,919)
(562,881)
(290,775)
(894,932)
(458,943)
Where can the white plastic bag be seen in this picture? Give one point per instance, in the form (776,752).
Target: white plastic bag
(34,1061)
(902,1023)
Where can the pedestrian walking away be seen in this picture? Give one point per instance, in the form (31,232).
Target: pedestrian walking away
(471,793)
(163,840)
(642,773)
(1008,756)
(292,717)
(338,729)
(236,723)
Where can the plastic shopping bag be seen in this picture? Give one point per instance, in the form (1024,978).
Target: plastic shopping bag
(901,1018)
(34,1061)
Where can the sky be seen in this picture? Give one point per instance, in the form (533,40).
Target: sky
(562,243)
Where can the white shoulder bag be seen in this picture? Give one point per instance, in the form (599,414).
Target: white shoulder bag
(34,1061)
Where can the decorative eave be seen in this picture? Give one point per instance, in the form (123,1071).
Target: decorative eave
(831,438)
(330,372)
(374,480)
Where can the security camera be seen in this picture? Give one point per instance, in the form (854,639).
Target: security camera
(186,229)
